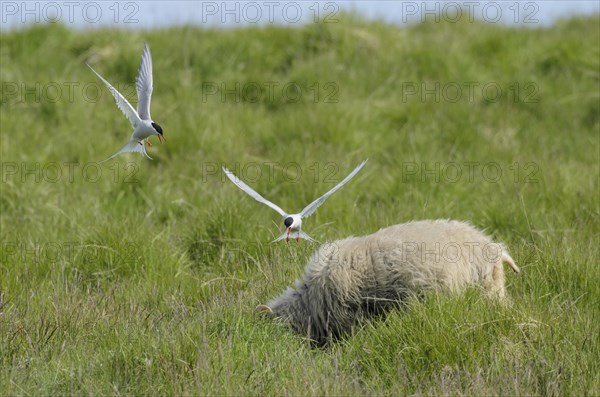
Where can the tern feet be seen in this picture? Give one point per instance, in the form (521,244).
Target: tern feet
(148,143)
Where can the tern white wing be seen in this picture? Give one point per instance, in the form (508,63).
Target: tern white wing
(312,207)
(144,84)
(251,192)
(122,103)
(132,146)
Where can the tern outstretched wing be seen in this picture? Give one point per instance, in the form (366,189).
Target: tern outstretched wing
(312,207)
(251,192)
(122,103)
(143,84)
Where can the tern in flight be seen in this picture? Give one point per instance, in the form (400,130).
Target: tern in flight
(140,120)
(292,222)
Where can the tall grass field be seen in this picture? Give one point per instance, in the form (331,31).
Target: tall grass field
(140,277)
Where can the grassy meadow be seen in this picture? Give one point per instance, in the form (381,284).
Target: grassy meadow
(140,277)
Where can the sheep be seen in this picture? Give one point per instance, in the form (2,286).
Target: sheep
(359,277)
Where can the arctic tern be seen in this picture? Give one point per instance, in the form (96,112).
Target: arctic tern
(292,222)
(144,126)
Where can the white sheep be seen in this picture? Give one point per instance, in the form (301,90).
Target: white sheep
(357,277)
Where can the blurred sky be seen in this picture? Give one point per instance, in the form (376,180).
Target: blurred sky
(231,14)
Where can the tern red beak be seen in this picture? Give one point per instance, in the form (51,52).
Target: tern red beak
(160,138)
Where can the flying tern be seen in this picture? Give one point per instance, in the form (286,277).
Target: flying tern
(292,222)
(144,126)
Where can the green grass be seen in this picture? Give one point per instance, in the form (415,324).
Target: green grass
(143,280)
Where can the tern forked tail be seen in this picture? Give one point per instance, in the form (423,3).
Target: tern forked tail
(132,146)
(294,234)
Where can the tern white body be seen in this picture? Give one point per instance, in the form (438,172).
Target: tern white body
(292,222)
(294,230)
(144,126)
(144,130)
